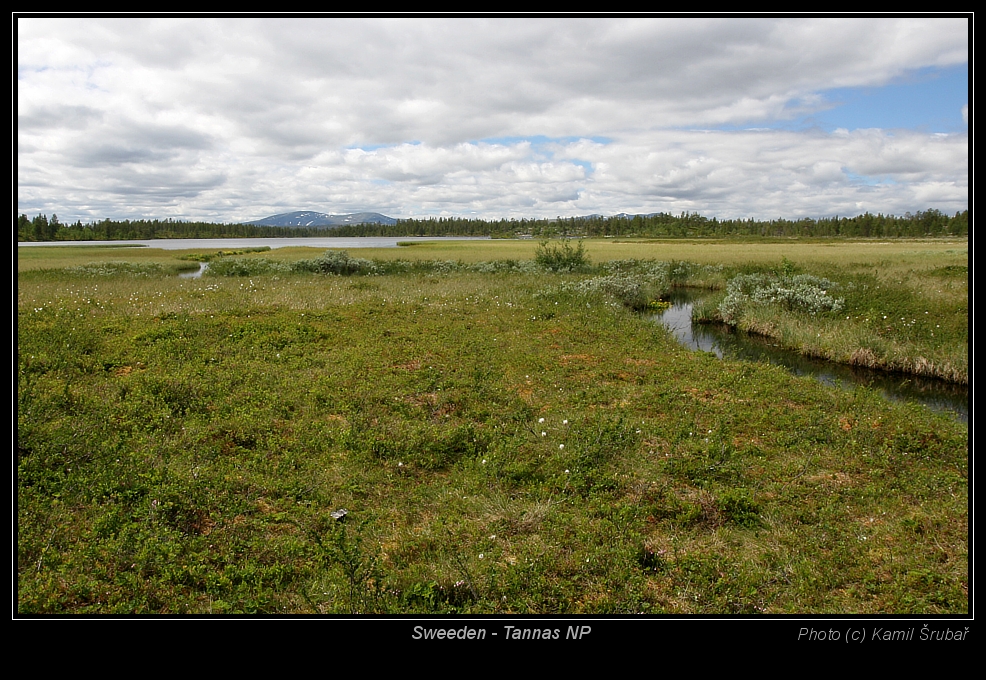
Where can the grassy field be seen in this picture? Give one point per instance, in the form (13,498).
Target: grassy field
(504,440)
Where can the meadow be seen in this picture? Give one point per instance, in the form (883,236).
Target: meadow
(475,427)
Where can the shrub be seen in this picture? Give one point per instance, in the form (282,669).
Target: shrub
(336,262)
(121,268)
(801,292)
(627,289)
(562,258)
(246,267)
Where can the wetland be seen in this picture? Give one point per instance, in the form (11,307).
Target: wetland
(493,426)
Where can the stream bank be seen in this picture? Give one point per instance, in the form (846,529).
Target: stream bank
(728,343)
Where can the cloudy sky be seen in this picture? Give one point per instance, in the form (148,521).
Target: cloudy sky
(235,119)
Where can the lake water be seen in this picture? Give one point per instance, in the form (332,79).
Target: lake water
(238,243)
(727,343)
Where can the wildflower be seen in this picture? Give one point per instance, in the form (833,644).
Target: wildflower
(540,420)
(543,433)
(564,422)
(562,446)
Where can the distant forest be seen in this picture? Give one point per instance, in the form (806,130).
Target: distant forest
(660,225)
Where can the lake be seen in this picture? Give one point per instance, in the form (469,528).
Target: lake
(239,243)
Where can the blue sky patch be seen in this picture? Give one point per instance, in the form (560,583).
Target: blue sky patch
(929,100)
(586,165)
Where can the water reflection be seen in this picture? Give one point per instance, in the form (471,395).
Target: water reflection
(196,274)
(728,343)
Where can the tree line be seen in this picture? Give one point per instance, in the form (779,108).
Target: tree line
(658,225)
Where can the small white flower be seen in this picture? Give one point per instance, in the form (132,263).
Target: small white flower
(566,471)
(564,422)
(540,420)
(544,434)
(480,555)
(562,446)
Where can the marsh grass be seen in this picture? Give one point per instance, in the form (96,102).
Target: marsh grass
(502,444)
(910,321)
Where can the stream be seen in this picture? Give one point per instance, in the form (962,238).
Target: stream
(197,274)
(728,343)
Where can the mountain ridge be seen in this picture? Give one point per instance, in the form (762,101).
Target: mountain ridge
(311,218)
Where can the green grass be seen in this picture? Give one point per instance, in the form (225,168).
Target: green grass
(503,443)
(912,320)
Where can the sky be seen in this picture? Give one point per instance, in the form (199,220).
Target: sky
(235,119)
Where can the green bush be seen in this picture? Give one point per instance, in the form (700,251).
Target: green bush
(336,262)
(562,258)
(801,292)
(245,267)
(630,290)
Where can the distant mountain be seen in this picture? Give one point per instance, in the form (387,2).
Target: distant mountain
(625,216)
(308,218)
(628,216)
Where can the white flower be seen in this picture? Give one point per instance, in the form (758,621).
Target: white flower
(564,422)
(540,420)
(480,555)
(544,434)
(562,446)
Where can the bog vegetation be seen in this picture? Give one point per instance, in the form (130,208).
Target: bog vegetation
(484,428)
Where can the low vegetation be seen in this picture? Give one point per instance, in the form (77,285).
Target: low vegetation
(433,430)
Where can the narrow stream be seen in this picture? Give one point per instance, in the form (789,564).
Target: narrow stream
(728,343)
(196,274)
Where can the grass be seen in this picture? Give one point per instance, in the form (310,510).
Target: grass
(912,320)
(503,443)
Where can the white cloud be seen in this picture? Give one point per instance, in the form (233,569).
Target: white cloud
(233,119)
